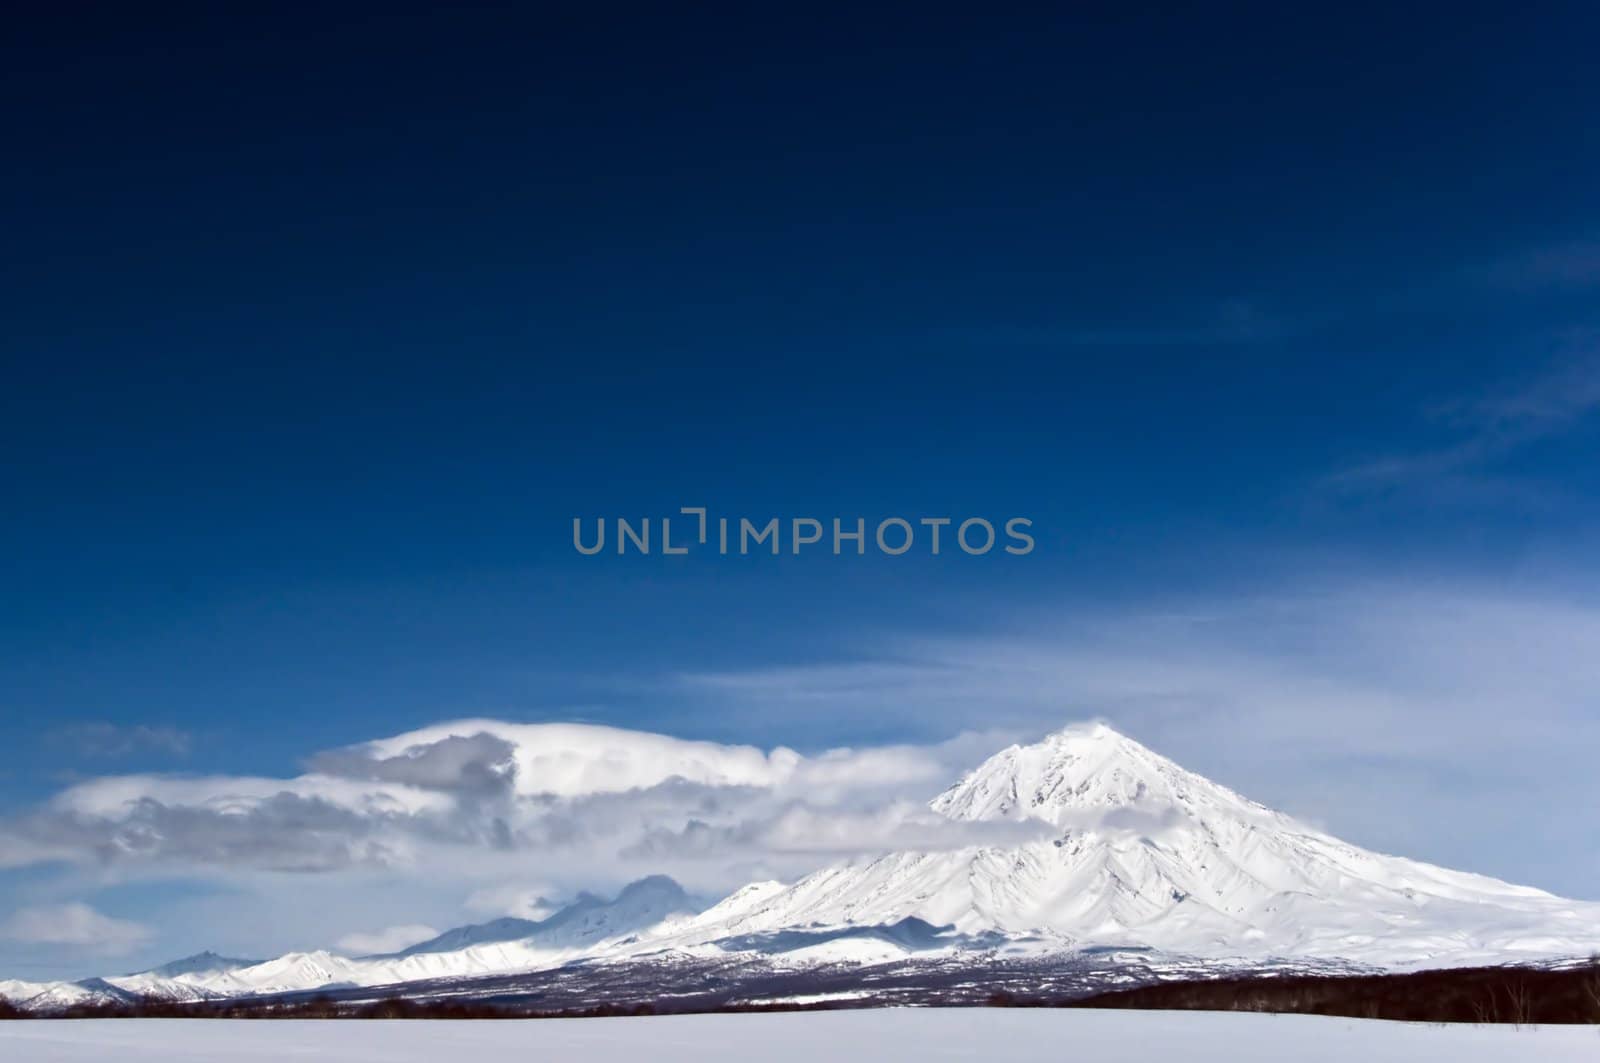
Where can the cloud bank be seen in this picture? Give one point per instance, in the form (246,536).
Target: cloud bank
(482,795)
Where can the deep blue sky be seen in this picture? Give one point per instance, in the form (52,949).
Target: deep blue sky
(320,327)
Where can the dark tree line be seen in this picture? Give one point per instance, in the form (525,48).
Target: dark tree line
(1517,995)
(1508,994)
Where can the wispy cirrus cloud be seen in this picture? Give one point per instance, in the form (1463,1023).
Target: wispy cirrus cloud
(1489,427)
(99,739)
(1562,265)
(1228,322)
(1549,403)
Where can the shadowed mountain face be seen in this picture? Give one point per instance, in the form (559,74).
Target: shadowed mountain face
(508,929)
(589,918)
(201,963)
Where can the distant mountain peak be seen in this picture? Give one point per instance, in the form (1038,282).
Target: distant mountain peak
(201,962)
(653,886)
(588,918)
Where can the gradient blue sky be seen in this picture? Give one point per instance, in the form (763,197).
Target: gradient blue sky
(319,331)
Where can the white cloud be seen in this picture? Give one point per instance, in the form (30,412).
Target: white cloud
(76,925)
(518,899)
(568,760)
(389,939)
(113,796)
(1569,265)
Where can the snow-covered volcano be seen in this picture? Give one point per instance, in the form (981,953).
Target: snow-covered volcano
(1138,851)
(1122,848)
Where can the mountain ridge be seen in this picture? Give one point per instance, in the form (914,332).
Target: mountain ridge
(1140,854)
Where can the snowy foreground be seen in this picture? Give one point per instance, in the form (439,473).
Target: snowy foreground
(879,1035)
